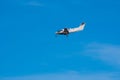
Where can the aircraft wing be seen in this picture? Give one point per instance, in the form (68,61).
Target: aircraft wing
(80,28)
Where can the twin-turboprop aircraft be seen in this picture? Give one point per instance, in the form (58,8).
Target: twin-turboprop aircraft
(67,31)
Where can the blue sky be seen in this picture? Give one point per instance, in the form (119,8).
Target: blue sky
(29,49)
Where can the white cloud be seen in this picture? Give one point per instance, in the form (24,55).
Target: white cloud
(105,52)
(67,76)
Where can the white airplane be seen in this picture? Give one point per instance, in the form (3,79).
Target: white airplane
(66,31)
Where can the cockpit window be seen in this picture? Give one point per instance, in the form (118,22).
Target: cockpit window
(60,30)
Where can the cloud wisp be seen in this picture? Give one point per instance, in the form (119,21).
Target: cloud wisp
(67,76)
(35,4)
(105,52)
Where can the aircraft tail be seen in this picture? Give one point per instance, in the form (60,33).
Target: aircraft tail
(80,28)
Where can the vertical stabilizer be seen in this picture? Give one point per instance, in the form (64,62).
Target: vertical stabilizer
(80,28)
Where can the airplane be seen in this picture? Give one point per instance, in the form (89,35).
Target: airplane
(67,31)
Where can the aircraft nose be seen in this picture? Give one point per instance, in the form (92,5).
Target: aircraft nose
(56,32)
